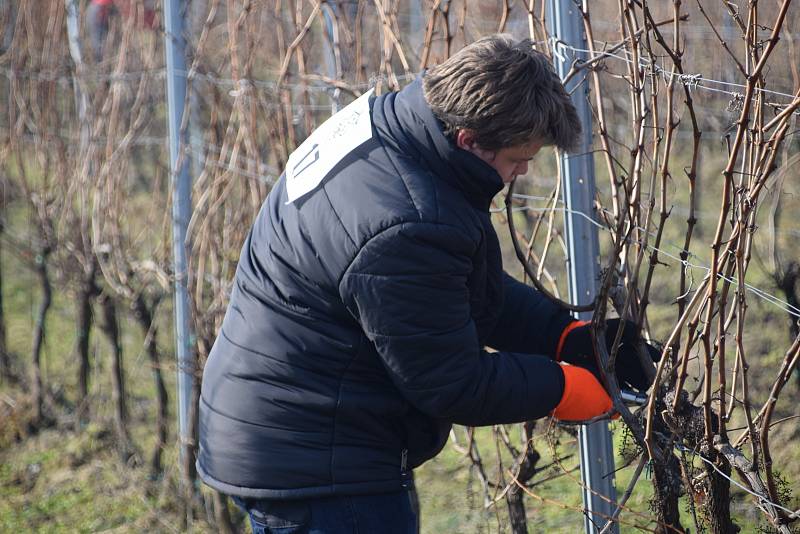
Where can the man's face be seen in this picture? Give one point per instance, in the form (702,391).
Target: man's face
(509,162)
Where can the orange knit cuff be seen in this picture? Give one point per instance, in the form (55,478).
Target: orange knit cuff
(570,327)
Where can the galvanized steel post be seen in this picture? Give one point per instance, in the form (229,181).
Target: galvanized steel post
(565,25)
(181,209)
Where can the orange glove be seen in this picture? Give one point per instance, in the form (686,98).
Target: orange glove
(583,398)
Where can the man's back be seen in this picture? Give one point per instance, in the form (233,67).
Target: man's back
(296,401)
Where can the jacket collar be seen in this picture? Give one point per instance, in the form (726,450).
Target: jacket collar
(410,124)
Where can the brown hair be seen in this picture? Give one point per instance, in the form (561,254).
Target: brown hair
(505,91)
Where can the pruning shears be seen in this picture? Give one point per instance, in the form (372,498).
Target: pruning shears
(633,398)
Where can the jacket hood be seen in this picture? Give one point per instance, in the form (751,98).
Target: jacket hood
(405,120)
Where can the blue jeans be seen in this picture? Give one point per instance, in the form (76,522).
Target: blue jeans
(386,513)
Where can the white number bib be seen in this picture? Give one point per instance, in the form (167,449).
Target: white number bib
(327,146)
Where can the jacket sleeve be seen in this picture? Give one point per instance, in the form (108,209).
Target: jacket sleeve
(407,287)
(529,322)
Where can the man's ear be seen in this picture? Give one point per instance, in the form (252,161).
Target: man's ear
(465,139)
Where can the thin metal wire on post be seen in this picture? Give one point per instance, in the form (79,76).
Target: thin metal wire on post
(565,25)
(181,213)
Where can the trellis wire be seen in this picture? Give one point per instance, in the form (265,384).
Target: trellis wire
(792,513)
(691,80)
(773,299)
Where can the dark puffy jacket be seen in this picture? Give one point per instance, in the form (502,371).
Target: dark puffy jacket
(355,331)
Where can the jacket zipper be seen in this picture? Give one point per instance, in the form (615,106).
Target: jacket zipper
(404,475)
